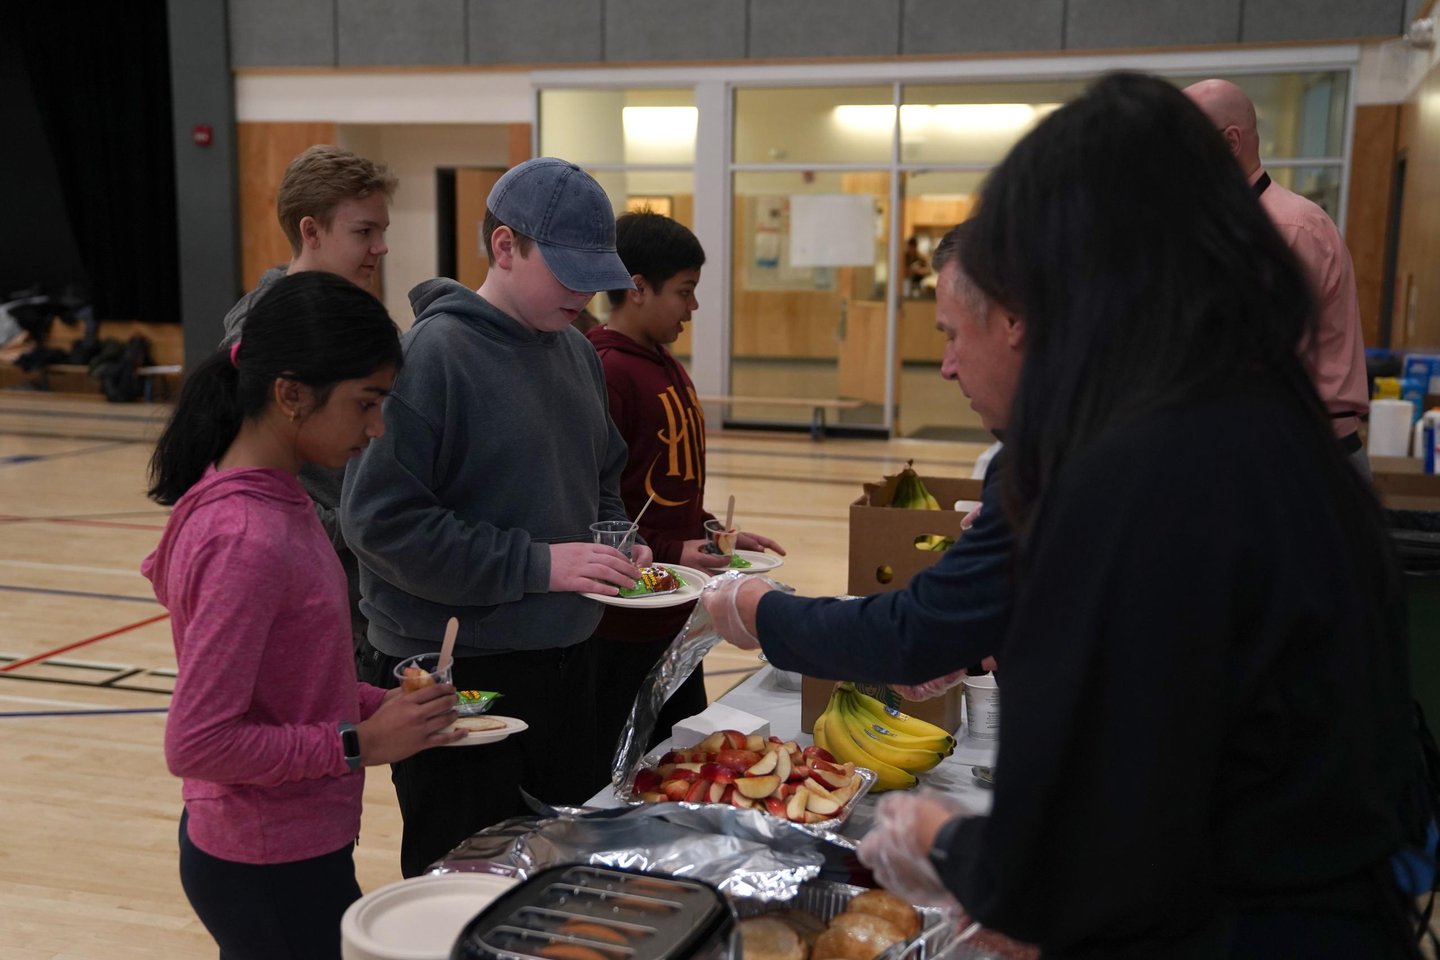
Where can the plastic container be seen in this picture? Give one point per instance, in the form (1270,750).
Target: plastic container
(582,912)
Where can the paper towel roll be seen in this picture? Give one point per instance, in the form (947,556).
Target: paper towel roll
(1390,422)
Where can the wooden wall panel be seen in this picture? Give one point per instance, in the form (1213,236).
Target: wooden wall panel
(1416,323)
(472,188)
(1372,172)
(263,151)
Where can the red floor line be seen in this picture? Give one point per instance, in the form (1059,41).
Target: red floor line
(80,643)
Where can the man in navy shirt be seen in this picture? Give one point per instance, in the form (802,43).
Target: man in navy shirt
(950,615)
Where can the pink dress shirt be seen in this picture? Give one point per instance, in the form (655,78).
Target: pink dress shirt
(1336,356)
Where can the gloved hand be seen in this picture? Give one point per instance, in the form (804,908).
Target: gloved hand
(930,688)
(730,599)
(897,848)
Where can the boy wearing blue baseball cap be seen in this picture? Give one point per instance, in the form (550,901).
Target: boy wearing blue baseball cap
(498,454)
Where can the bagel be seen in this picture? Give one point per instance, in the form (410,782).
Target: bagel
(767,938)
(851,943)
(807,925)
(887,906)
(867,921)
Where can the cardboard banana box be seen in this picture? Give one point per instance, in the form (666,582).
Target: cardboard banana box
(883,553)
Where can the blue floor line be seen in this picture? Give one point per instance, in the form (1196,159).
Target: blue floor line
(21,458)
(78,593)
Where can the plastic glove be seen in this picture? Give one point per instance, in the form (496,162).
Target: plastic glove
(733,613)
(897,848)
(930,688)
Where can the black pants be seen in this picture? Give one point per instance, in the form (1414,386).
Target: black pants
(278,911)
(623,666)
(448,793)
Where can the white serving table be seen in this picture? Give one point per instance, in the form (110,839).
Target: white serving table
(761,696)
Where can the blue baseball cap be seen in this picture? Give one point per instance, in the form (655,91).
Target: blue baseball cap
(569,217)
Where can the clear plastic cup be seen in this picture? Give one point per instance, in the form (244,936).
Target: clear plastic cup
(419,672)
(619,534)
(722,541)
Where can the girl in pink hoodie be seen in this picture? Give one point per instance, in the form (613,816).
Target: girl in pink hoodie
(268,728)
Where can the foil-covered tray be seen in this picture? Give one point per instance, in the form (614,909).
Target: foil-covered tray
(866,776)
(827,899)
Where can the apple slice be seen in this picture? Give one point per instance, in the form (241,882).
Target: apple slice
(825,806)
(734,739)
(647,780)
(766,764)
(817,763)
(713,743)
(717,791)
(757,787)
(842,795)
(738,799)
(774,805)
(783,766)
(816,787)
(676,789)
(799,773)
(714,771)
(737,760)
(821,752)
(673,756)
(831,778)
(812,817)
(755,742)
(692,766)
(680,773)
(799,802)
(654,796)
(699,792)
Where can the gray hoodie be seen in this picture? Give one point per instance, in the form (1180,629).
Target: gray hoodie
(235,319)
(498,442)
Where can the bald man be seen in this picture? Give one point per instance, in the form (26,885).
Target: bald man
(1336,356)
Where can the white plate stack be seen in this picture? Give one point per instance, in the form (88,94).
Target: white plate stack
(416,919)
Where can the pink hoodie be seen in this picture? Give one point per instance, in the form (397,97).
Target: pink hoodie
(261,622)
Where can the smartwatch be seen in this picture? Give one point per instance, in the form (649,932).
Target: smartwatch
(350,743)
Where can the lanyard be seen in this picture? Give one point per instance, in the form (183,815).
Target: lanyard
(1262,184)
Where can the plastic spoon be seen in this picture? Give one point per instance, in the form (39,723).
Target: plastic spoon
(447,646)
(634,527)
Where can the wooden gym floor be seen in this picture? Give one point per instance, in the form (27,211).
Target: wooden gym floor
(87,808)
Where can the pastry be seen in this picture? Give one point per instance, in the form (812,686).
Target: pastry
(767,938)
(889,907)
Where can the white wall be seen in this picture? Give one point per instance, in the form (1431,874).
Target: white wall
(413,153)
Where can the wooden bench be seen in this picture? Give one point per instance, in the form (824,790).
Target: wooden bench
(167,351)
(818,406)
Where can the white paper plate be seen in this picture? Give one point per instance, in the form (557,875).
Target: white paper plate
(760,562)
(694,580)
(416,919)
(478,737)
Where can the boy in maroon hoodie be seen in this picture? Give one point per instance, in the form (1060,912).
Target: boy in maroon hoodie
(652,402)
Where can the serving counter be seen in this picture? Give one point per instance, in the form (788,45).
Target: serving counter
(762,696)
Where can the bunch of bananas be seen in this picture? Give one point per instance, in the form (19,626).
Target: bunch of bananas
(860,730)
(910,494)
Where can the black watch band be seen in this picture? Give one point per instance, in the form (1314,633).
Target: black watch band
(350,744)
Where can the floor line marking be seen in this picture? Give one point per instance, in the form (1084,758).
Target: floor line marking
(8,668)
(84,712)
(103,524)
(20,459)
(73,568)
(51,591)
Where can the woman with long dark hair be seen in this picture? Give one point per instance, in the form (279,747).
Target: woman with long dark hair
(268,727)
(1205,743)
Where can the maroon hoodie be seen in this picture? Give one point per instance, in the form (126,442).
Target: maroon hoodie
(652,402)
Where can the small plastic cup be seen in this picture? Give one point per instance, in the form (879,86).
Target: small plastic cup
(722,541)
(982,707)
(419,672)
(619,534)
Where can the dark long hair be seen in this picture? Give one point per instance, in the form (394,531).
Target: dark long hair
(1124,234)
(312,327)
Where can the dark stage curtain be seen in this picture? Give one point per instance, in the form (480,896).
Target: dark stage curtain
(100,77)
